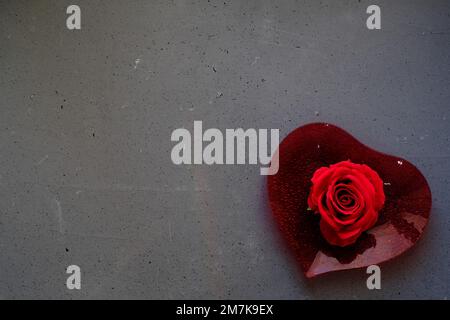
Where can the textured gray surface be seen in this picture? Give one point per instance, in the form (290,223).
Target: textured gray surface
(85,170)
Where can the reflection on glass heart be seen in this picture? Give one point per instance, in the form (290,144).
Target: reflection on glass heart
(401,222)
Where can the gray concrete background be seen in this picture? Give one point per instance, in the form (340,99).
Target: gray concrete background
(85,170)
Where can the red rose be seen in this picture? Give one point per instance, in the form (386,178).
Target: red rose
(348,197)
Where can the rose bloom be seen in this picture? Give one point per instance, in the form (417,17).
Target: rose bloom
(348,197)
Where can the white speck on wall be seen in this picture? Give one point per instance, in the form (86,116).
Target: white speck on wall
(136,62)
(255,61)
(402,139)
(42,160)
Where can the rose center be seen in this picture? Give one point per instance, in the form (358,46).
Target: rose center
(345,199)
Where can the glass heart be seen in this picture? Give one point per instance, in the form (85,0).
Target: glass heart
(401,222)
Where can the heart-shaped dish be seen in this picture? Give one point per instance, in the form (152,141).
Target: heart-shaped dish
(400,224)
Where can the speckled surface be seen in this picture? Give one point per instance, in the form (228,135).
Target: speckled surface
(86,116)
